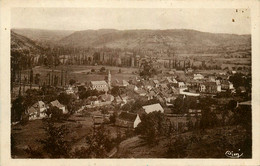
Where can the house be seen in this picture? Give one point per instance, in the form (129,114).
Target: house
(151,95)
(124,97)
(99,85)
(182,86)
(129,120)
(118,100)
(211,78)
(154,107)
(97,117)
(226,85)
(141,92)
(198,76)
(37,111)
(106,98)
(171,80)
(163,86)
(202,88)
(156,83)
(70,90)
(57,104)
(190,94)
(93,100)
(122,83)
(211,87)
(132,87)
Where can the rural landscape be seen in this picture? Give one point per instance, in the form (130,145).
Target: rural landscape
(136,93)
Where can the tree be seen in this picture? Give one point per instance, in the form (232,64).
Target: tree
(55,144)
(72,81)
(102,69)
(112,118)
(98,144)
(17,109)
(177,147)
(64,98)
(37,78)
(152,127)
(55,113)
(115,91)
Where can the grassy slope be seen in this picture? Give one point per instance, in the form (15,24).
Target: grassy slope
(135,147)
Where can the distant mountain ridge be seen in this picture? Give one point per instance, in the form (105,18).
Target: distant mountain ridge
(178,39)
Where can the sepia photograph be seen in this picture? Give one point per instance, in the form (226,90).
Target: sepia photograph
(116,82)
(103,83)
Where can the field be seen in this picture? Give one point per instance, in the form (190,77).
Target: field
(79,127)
(82,73)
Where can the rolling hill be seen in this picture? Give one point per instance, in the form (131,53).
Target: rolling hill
(41,35)
(20,42)
(178,39)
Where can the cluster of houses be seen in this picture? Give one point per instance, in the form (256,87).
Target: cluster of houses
(164,88)
(39,109)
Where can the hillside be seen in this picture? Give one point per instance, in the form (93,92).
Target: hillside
(23,43)
(178,39)
(41,35)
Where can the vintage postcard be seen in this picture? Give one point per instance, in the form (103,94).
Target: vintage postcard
(129,82)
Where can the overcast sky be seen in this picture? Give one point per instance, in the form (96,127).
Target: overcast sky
(206,20)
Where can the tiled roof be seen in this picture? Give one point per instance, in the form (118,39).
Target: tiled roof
(127,116)
(98,82)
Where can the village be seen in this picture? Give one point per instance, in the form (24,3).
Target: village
(189,99)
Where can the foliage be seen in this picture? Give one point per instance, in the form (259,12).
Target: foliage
(13,145)
(88,93)
(102,69)
(115,91)
(98,144)
(112,118)
(34,152)
(17,109)
(55,144)
(238,79)
(64,98)
(148,70)
(72,81)
(208,119)
(153,126)
(177,147)
(55,113)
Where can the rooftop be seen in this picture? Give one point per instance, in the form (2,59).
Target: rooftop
(154,107)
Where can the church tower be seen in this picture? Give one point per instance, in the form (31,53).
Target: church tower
(109,79)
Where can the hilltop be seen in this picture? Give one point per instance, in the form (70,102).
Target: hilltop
(177,39)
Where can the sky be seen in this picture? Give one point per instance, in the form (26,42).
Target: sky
(234,21)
